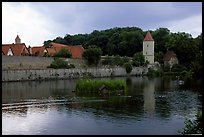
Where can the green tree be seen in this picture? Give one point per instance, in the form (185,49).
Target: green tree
(63,53)
(128,67)
(159,57)
(184,46)
(196,66)
(47,43)
(138,59)
(92,55)
(58,63)
(59,40)
(160,37)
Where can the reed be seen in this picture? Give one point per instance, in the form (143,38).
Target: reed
(93,86)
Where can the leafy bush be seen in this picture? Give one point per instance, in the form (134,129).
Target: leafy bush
(128,67)
(115,60)
(60,63)
(193,126)
(92,55)
(63,53)
(139,57)
(155,73)
(107,61)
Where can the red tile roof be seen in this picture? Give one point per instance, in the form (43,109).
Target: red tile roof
(169,55)
(18,49)
(5,49)
(51,51)
(76,50)
(148,37)
(38,51)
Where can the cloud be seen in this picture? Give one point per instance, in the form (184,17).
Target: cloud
(30,24)
(36,22)
(192,25)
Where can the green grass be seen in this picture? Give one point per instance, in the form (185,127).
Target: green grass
(93,86)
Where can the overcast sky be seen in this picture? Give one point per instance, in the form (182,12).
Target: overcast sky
(36,22)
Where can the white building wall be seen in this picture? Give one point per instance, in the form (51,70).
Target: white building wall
(148,51)
(10,53)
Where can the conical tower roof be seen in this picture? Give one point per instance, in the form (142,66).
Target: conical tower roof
(17,37)
(148,37)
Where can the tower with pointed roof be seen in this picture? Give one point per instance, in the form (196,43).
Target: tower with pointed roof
(148,48)
(17,40)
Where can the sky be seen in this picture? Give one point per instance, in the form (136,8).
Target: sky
(36,22)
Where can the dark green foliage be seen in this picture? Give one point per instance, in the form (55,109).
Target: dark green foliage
(107,61)
(60,63)
(60,40)
(196,66)
(92,55)
(177,68)
(129,40)
(194,126)
(47,43)
(115,60)
(64,53)
(138,59)
(128,67)
(160,37)
(184,47)
(155,73)
(159,57)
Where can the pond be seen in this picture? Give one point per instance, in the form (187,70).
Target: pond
(152,106)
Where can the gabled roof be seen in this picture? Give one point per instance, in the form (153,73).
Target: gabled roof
(148,37)
(76,50)
(169,55)
(51,51)
(18,49)
(38,50)
(5,49)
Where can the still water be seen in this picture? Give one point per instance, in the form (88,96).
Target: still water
(153,106)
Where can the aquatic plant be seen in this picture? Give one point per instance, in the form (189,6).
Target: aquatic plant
(95,86)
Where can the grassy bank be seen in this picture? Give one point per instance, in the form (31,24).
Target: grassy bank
(98,86)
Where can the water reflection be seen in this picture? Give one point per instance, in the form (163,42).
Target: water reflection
(156,105)
(149,99)
(23,91)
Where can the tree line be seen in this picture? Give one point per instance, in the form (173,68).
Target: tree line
(129,40)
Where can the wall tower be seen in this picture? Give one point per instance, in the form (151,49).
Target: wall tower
(148,48)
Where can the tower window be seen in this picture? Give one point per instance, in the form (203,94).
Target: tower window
(146,52)
(147,45)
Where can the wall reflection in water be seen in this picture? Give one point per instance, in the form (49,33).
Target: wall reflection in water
(48,107)
(147,95)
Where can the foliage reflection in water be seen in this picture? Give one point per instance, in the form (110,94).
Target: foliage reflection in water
(152,106)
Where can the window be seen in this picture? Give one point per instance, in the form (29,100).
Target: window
(146,53)
(147,45)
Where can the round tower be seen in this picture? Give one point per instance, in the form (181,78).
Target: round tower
(148,48)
